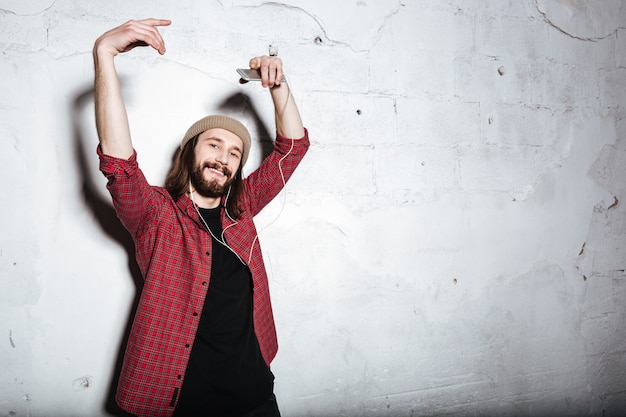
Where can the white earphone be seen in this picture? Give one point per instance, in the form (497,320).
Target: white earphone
(222,241)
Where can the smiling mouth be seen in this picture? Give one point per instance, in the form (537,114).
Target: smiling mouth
(216,172)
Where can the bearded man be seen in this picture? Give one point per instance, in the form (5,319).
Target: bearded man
(203,336)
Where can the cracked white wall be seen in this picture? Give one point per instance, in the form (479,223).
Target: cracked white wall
(452,245)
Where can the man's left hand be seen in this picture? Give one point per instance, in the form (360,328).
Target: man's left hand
(271,69)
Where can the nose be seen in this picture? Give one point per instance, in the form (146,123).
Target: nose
(222,158)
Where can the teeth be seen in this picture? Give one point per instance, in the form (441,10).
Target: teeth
(216,171)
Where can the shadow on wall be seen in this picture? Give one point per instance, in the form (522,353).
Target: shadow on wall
(241,102)
(107,218)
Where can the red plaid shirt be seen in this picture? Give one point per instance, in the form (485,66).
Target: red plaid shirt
(173,251)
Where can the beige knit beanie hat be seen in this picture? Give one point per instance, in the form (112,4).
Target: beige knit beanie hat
(223,122)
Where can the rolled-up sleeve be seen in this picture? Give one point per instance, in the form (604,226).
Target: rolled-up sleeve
(133,198)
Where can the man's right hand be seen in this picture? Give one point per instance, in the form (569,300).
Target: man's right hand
(111,117)
(130,35)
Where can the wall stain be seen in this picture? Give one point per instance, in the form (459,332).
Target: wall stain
(82,383)
(11,338)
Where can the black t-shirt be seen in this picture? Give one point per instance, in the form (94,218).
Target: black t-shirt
(226,374)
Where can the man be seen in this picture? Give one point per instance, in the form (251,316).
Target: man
(203,336)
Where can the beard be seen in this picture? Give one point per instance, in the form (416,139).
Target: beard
(211,188)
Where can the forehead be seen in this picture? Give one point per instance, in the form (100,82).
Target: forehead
(225,136)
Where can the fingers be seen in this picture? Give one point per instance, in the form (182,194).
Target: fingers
(157,22)
(145,32)
(271,69)
(132,34)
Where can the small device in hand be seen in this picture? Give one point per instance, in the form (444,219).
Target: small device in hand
(252,75)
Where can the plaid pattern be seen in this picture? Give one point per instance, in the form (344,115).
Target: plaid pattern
(173,251)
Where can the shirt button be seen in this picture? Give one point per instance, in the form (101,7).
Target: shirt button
(186,345)
(179,377)
(195,314)
(204,283)
(207,253)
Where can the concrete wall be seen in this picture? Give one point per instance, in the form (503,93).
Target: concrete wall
(452,245)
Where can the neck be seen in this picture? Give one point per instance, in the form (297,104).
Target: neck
(204,202)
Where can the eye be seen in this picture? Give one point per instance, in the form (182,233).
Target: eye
(235,155)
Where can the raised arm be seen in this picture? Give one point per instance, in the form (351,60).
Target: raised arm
(111,117)
(288,121)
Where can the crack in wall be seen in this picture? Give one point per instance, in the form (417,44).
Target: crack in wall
(31,14)
(327,39)
(315,18)
(550,21)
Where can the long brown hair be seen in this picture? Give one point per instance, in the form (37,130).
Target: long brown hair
(179,176)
